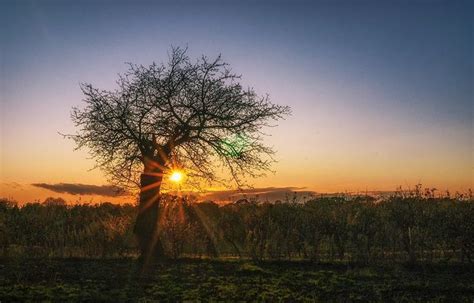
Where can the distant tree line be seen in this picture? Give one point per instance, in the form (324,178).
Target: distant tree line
(413,227)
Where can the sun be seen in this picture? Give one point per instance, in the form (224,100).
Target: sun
(176,176)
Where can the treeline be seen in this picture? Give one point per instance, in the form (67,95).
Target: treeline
(400,228)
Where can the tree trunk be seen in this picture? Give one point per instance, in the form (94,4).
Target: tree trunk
(146,226)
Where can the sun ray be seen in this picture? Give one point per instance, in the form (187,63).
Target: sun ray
(151,186)
(150,202)
(156,235)
(208,225)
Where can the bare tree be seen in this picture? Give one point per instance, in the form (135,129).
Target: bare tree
(195,116)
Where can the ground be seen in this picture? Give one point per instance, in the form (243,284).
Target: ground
(117,280)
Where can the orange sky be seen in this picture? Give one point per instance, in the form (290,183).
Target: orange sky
(322,166)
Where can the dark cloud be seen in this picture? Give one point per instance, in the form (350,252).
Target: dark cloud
(270,194)
(83,189)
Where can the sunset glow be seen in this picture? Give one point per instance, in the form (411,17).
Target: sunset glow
(376,103)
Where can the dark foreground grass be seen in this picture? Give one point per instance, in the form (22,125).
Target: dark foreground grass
(117,280)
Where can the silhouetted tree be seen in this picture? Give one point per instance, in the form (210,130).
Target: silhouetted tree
(188,115)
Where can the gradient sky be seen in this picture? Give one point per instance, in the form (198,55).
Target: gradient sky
(381,92)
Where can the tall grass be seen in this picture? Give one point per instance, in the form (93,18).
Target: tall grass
(405,227)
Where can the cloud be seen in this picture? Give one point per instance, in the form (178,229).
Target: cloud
(262,194)
(83,189)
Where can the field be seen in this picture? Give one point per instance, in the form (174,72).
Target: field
(118,280)
(401,249)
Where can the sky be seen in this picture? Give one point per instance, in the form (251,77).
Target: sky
(381,91)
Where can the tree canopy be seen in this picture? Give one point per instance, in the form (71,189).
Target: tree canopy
(190,115)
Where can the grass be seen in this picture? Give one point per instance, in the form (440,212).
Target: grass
(117,280)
